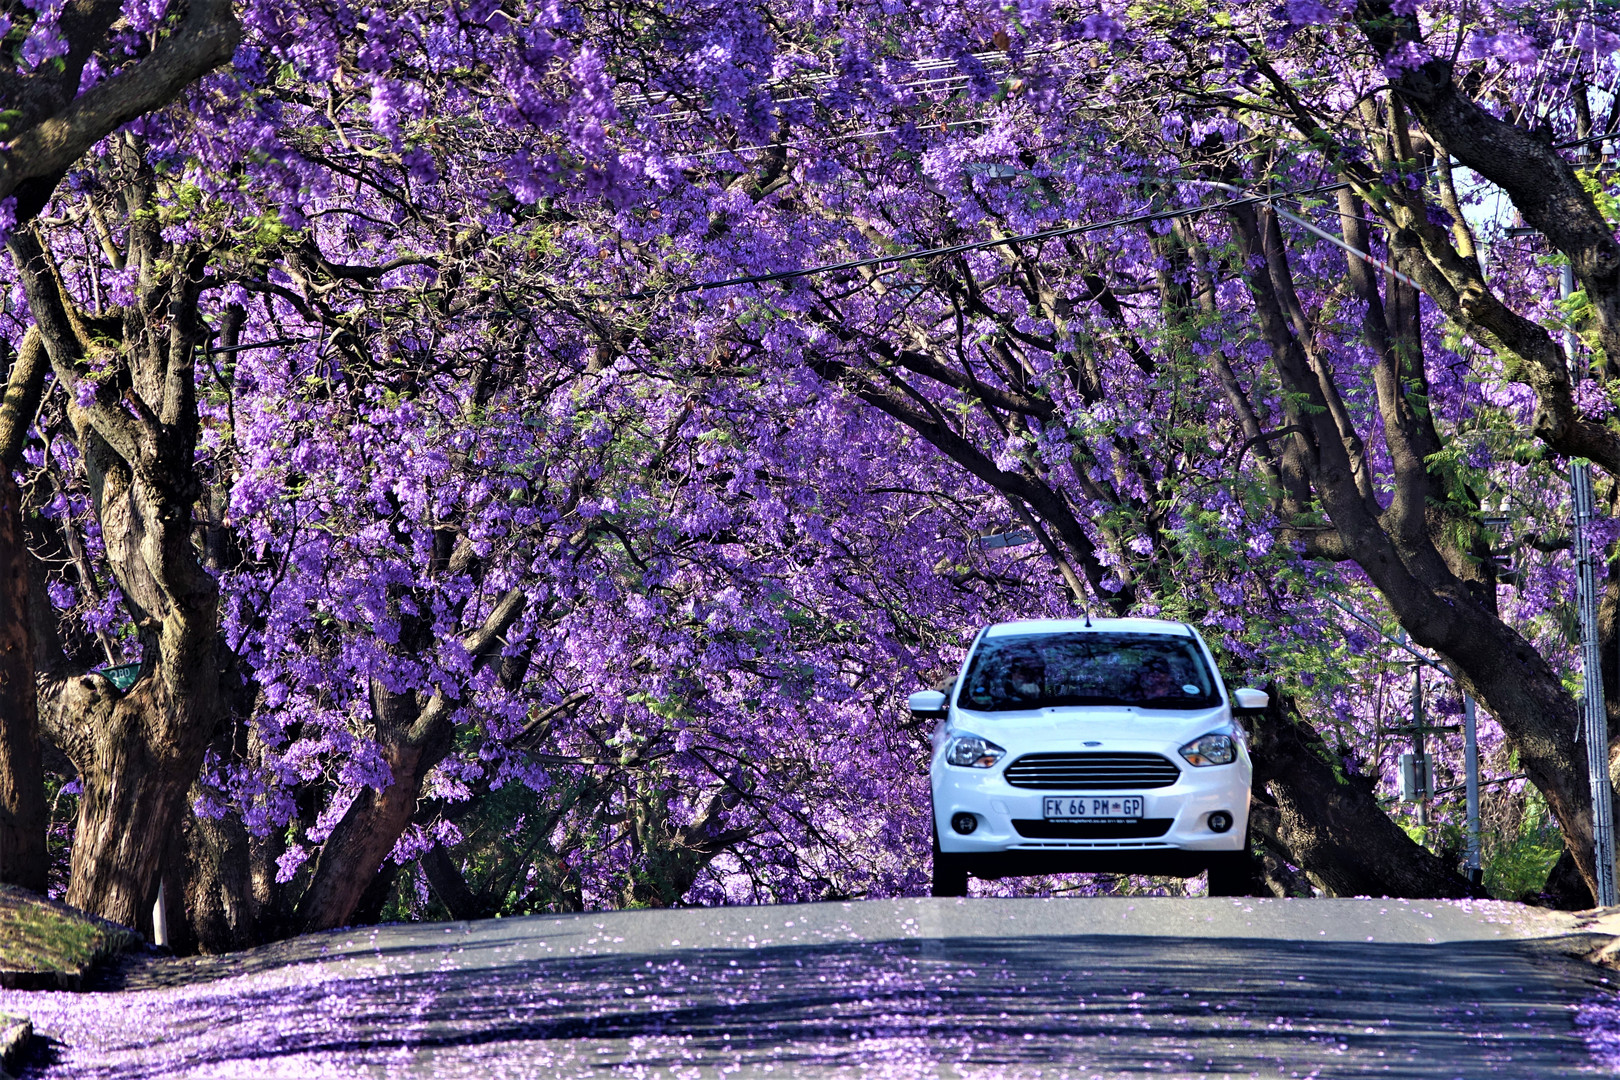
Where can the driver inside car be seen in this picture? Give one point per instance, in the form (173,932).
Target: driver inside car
(1157,682)
(1026,677)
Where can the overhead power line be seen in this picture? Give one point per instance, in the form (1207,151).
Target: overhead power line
(871,133)
(1046,234)
(980,245)
(933,72)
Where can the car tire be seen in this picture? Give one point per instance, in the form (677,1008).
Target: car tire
(950,872)
(1231,873)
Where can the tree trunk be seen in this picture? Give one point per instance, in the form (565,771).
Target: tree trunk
(374,901)
(23,814)
(137,754)
(450,886)
(352,855)
(226,911)
(414,735)
(1565,889)
(672,858)
(219,885)
(1329,824)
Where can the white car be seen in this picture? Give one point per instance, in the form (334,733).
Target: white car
(1088,746)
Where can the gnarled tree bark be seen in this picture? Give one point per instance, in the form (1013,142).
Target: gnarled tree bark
(137,752)
(23,814)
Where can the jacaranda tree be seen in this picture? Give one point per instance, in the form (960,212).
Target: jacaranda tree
(524,456)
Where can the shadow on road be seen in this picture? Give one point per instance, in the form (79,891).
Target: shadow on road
(1064,1006)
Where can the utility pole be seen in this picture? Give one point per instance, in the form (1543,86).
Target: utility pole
(1476,872)
(1596,722)
(1421,786)
(1420,750)
(1417,773)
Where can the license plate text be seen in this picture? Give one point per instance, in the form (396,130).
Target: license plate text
(1091,807)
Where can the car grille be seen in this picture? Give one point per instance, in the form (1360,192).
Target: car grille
(1036,829)
(1092,772)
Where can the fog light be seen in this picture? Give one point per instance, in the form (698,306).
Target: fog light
(966,823)
(1220,821)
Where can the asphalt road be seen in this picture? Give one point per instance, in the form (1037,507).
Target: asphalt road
(904,988)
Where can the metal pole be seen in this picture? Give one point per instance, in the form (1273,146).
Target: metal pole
(1471,778)
(1596,723)
(1419,746)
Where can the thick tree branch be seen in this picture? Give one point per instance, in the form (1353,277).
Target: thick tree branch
(484,645)
(38,156)
(1039,497)
(1542,185)
(64,345)
(24,386)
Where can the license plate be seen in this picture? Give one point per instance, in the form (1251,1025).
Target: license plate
(1091,807)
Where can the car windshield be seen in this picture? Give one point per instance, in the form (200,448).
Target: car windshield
(1033,671)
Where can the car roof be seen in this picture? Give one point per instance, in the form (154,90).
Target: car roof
(1081,626)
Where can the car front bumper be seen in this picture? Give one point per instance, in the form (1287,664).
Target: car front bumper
(1175,819)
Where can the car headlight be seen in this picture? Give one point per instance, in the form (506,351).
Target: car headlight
(972,752)
(1216,748)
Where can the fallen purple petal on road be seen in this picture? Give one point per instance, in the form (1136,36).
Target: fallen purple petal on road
(1262,991)
(1599,1022)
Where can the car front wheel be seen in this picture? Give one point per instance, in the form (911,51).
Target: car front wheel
(1232,873)
(950,872)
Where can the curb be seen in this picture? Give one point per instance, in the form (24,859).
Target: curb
(15,1034)
(1602,923)
(112,940)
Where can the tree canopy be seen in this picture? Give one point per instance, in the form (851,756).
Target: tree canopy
(493,457)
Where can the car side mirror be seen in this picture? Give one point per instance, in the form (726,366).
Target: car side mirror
(1247,702)
(927,705)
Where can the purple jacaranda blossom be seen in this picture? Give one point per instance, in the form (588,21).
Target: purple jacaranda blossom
(1102,28)
(1592,400)
(1408,56)
(145,15)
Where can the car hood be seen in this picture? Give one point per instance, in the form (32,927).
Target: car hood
(1061,728)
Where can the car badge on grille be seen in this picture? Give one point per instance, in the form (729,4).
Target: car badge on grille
(1093,742)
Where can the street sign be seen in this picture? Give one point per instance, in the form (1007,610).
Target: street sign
(122,676)
(1006,540)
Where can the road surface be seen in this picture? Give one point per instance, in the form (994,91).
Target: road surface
(899,988)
